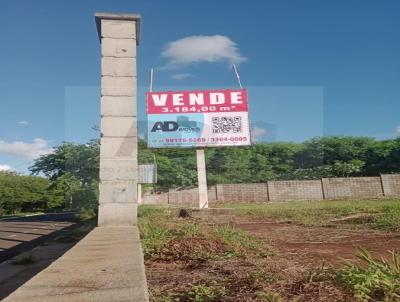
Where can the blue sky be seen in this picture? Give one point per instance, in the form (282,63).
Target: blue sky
(311,67)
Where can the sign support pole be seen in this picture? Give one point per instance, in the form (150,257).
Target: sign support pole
(151,79)
(202,179)
(237,76)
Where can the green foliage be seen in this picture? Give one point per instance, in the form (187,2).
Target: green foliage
(78,160)
(241,242)
(260,277)
(319,157)
(73,170)
(377,280)
(209,292)
(148,211)
(205,293)
(153,229)
(187,230)
(154,238)
(160,226)
(86,214)
(269,296)
(21,193)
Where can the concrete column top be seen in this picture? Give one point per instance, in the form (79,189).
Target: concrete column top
(120,17)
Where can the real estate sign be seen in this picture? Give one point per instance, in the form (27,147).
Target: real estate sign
(198,118)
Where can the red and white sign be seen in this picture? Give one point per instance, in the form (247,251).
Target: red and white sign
(198,118)
(197,101)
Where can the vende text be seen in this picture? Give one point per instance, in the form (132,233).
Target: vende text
(197,101)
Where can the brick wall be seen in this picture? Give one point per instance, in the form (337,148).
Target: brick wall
(391,184)
(326,188)
(160,198)
(190,196)
(356,187)
(212,193)
(176,196)
(242,192)
(295,189)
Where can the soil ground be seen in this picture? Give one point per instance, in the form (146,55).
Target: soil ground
(314,245)
(297,269)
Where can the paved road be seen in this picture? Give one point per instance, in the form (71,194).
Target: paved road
(19,234)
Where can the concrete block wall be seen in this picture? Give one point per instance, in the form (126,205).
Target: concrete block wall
(155,198)
(212,194)
(190,196)
(354,187)
(294,189)
(327,188)
(242,192)
(176,196)
(118,149)
(391,184)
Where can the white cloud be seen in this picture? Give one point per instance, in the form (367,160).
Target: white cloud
(181,76)
(257,133)
(197,49)
(398,130)
(6,168)
(32,150)
(23,123)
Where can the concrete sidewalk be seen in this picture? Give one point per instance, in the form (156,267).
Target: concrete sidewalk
(107,265)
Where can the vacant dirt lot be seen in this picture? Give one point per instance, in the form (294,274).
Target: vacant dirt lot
(314,245)
(257,258)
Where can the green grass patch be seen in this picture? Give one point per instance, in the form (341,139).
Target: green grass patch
(269,296)
(260,277)
(373,280)
(154,238)
(151,211)
(154,230)
(196,293)
(167,237)
(376,214)
(241,242)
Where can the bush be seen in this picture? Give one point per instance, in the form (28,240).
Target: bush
(86,214)
(375,280)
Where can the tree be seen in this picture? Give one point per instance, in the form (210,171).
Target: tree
(22,193)
(336,156)
(322,151)
(79,160)
(73,170)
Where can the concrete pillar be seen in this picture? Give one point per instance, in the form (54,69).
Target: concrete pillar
(220,192)
(202,179)
(118,35)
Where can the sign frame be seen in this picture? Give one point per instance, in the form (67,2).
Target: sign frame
(198,118)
